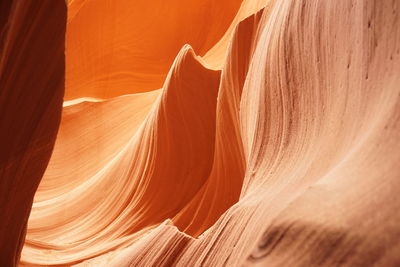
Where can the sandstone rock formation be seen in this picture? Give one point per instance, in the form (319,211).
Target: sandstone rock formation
(201,133)
(31,93)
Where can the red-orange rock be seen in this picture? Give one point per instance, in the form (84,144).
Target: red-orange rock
(277,146)
(31,93)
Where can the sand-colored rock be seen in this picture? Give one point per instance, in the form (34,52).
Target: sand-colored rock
(273,141)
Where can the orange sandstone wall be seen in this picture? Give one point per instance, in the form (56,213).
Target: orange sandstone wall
(31,93)
(270,139)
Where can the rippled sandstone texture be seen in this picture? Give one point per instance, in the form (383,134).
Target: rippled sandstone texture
(271,139)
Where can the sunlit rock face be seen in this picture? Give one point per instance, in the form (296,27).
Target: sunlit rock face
(200,133)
